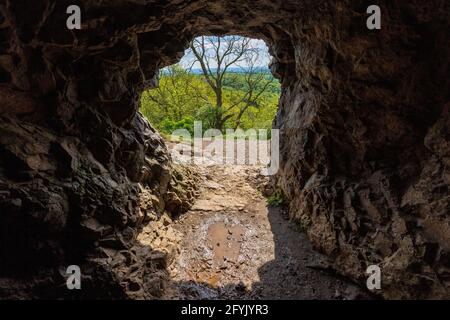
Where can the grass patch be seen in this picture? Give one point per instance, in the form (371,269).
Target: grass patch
(277,199)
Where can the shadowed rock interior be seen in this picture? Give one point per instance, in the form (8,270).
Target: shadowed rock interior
(364,119)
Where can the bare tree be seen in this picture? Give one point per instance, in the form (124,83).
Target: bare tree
(216,55)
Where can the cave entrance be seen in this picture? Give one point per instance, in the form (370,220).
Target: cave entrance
(235,240)
(364,141)
(220,94)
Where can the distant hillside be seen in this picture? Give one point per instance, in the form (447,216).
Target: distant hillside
(234,70)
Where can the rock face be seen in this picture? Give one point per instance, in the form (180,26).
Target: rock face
(365,134)
(364,118)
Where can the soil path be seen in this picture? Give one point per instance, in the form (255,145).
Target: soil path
(235,246)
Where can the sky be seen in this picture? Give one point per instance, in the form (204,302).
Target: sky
(262,61)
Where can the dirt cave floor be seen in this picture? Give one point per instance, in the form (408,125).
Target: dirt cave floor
(236,246)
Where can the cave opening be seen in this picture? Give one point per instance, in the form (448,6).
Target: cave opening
(220,94)
(215,109)
(221,98)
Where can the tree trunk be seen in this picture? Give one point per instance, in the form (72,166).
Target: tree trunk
(219,103)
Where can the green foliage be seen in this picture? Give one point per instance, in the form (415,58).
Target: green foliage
(184,97)
(168,125)
(235,80)
(175,103)
(278,198)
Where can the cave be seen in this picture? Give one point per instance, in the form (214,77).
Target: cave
(364,120)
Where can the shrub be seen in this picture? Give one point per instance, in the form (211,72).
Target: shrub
(168,126)
(278,198)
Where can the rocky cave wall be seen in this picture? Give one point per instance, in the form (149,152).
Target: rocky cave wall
(364,118)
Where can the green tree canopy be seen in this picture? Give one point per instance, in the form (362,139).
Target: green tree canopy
(224,97)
